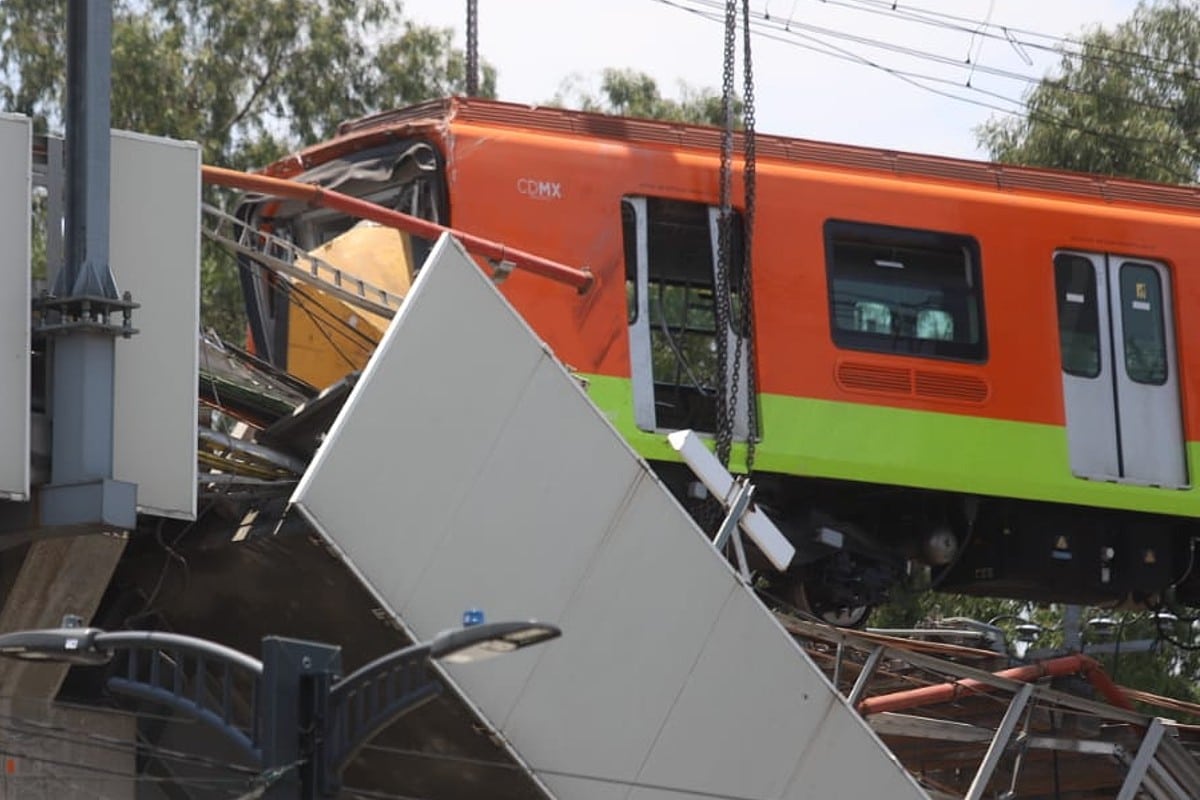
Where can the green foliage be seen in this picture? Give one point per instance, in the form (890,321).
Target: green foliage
(630,93)
(1153,656)
(1125,102)
(1164,669)
(248,80)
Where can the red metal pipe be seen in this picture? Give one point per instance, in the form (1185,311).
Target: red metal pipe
(945,692)
(581,279)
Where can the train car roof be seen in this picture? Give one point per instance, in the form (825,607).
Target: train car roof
(377,129)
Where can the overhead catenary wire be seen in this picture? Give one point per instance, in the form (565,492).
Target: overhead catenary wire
(1050,43)
(814,34)
(1015,107)
(1018,38)
(969,65)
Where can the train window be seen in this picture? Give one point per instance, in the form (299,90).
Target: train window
(1142,323)
(899,290)
(1078,315)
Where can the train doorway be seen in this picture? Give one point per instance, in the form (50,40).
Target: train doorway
(671,251)
(1119,369)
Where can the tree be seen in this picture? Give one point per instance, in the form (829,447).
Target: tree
(630,93)
(249,80)
(1125,102)
(1142,650)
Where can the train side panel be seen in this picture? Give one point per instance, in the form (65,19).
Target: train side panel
(993,426)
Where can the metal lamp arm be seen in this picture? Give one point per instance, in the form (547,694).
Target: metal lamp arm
(371,698)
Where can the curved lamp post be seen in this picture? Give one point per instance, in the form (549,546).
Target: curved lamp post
(303,714)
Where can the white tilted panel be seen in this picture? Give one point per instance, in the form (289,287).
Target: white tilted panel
(468,469)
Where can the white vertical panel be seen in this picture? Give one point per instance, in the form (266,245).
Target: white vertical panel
(467,468)
(155,254)
(15,185)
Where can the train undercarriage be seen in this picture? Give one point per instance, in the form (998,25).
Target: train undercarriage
(856,543)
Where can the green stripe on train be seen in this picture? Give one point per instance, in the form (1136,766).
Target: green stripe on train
(926,449)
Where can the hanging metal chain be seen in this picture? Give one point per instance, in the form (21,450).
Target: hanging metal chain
(750,184)
(472,48)
(726,406)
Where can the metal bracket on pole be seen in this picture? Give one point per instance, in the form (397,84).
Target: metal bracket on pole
(742,494)
(501,269)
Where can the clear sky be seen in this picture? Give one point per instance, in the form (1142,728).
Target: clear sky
(998,47)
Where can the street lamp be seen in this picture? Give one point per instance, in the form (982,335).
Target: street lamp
(94,647)
(1026,629)
(1104,626)
(304,714)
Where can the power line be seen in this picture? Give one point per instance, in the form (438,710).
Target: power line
(921,81)
(1059,45)
(968,65)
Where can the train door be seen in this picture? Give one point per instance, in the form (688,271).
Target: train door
(1119,368)
(670,263)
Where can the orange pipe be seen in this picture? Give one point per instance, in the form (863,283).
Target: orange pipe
(581,279)
(945,692)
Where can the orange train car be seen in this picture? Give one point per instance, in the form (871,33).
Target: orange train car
(990,369)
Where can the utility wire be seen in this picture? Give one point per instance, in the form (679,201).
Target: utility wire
(920,81)
(1059,45)
(968,65)
(1020,39)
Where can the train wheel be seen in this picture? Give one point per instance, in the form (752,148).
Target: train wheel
(840,616)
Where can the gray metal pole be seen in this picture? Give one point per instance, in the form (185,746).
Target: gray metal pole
(89,88)
(1072,628)
(82,493)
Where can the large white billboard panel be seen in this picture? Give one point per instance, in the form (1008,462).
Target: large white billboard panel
(154,253)
(16,176)
(468,469)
